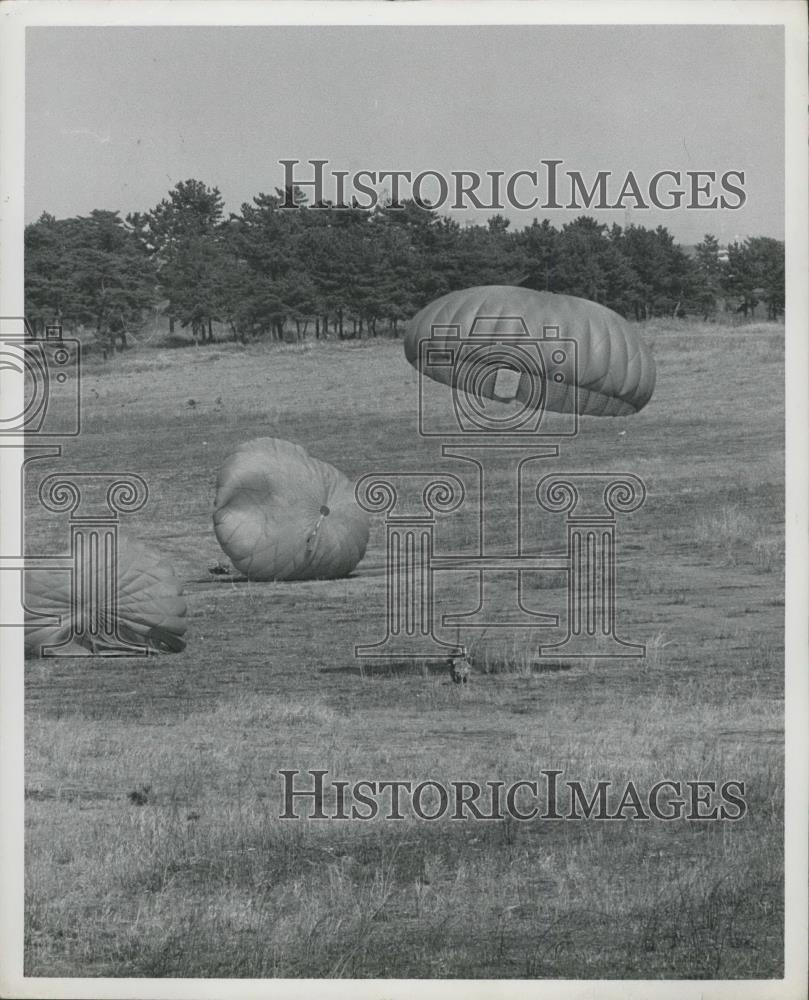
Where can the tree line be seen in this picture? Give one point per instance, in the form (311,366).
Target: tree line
(351,272)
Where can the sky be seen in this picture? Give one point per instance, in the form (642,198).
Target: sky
(116,116)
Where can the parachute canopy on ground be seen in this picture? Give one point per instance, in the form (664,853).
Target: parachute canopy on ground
(149,608)
(615,371)
(283,515)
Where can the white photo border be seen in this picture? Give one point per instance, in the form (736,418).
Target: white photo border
(15,17)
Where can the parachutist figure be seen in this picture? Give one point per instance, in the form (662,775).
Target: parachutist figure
(459,668)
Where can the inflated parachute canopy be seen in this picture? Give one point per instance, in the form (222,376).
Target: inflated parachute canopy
(149,609)
(615,371)
(283,515)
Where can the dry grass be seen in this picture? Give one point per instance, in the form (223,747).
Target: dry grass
(204,879)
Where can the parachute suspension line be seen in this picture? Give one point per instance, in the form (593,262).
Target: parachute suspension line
(311,538)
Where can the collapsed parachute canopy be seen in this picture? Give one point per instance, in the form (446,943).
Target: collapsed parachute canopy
(148,610)
(283,515)
(614,372)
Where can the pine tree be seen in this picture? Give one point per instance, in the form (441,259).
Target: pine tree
(88,271)
(768,266)
(184,234)
(708,279)
(539,246)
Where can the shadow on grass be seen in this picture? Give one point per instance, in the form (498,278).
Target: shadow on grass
(404,668)
(392,668)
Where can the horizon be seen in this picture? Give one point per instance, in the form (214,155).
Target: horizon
(471,223)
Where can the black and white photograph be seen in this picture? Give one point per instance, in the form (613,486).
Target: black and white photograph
(403,414)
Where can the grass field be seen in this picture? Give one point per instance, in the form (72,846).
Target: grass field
(203,878)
